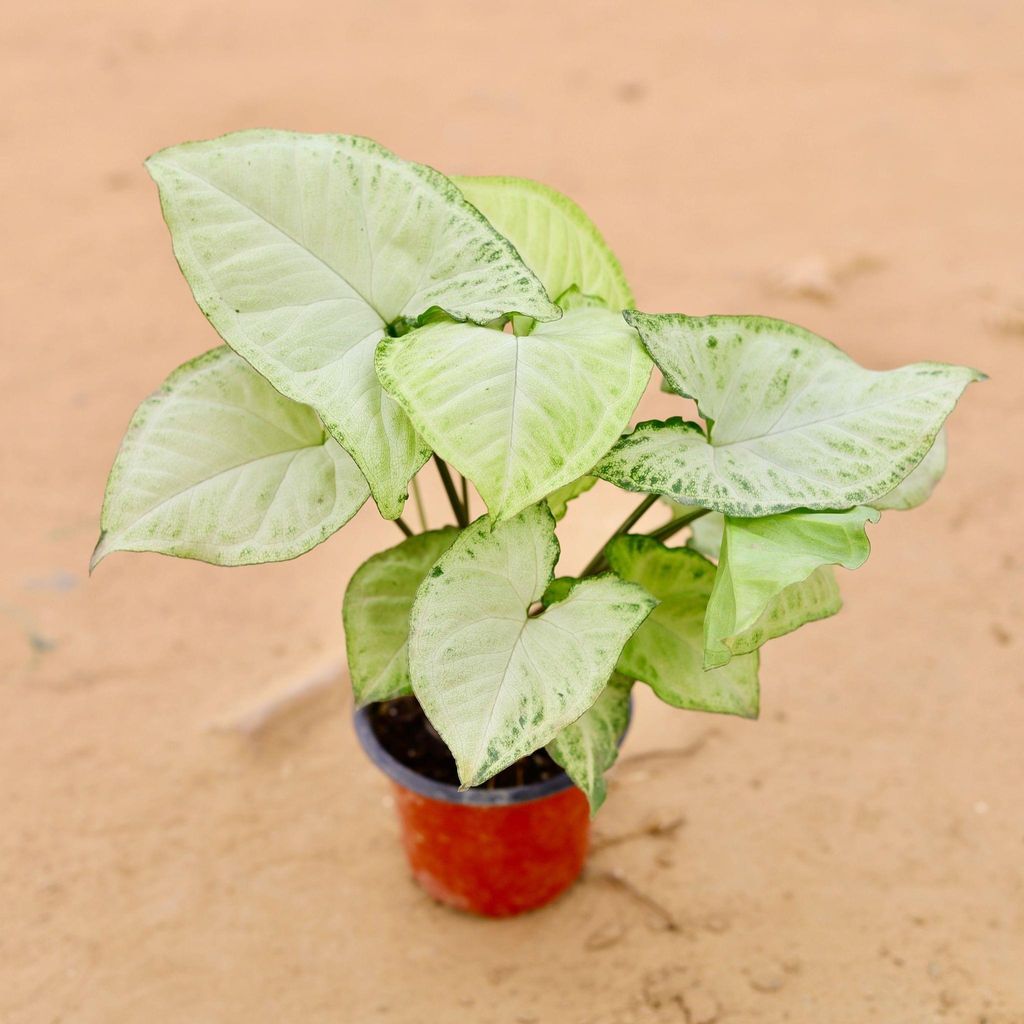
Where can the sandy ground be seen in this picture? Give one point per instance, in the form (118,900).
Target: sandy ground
(857,855)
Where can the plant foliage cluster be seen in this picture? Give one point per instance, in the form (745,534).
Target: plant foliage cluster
(377,315)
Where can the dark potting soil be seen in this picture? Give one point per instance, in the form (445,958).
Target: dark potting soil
(406,735)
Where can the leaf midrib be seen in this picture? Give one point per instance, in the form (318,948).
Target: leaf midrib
(826,419)
(485,732)
(293,452)
(286,234)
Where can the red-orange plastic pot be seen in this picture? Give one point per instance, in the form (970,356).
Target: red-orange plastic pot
(495,852)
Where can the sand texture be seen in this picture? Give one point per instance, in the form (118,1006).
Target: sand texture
(172,851)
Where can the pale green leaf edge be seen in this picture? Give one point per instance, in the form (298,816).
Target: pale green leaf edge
(588,747)
(742,691)
(106,544)
(918,487)
(572,211)
(740,640)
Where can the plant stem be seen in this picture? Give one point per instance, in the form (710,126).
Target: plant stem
(675,525)
(594,565)
(403,526)
(465,496)
(419,504)
(449,487)
(599,563)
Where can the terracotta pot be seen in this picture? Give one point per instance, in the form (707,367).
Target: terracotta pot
(494,852)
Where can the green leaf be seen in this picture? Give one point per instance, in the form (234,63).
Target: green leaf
(558,500)
(558,590)
(219,466)
(666,652)
(302,249)
(588,748)
(555,238)
(809,600)
(572,298)
(793,422)
(376,609)
(917,487)
(520,416)
(770,579)
(496,682)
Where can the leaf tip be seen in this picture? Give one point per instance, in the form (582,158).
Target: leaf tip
(390,506)
(99,552)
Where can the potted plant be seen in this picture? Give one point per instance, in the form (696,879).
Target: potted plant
(376,316)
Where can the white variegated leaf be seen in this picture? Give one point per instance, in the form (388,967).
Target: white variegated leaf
(588,748)
(302,249)
(496,682)
(555,238)
(520,416)
(792,421)
(376,609)
(772,576)
(219,466)
(917,487)
(666,652)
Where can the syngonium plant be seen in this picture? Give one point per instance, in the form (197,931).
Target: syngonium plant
(377,314)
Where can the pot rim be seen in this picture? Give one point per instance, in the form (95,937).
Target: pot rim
(445,792)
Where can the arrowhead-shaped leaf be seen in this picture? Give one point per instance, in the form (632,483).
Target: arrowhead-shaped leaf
(302,249)
(793,422)
(588,748)
(496,682)
(771,576)
(519,415)
(555,238)
(667,650)
(219,466)
(376,609)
